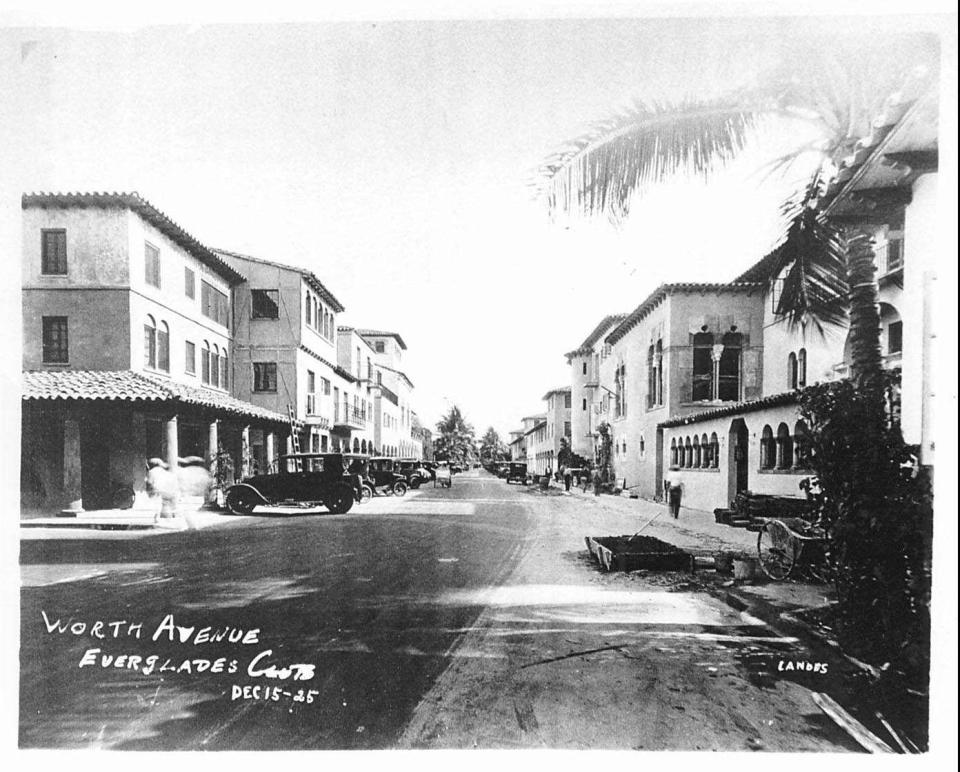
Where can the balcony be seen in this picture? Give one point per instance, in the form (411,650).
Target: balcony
(348,419)
(889,258)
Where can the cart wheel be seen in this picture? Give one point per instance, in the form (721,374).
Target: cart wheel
(241,501)
(366,493)
(778,550)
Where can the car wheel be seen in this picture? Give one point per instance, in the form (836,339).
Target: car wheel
(241,501)
(415,483)
(339,501)
(366,493)
(400,488)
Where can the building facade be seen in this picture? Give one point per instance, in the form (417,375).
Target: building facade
(127,350)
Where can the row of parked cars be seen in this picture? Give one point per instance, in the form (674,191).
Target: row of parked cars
(334,480)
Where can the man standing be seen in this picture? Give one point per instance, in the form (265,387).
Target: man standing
(674,492)
(567,478)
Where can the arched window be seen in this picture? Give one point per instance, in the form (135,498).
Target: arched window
(150,342)
(801,446)
(792,371)
(688,453)
(697,458)
(205,363)
(704,452)
(714,451)
(215,365)
(768,448)
(802,368)
(363,446)
(674,461)
(728,389)
(784,447)
(702,366)
(163,347)
(356,444)
(224,370)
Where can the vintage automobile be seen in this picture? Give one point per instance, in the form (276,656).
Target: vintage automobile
(383,474)
(301,479)
(431,468)
(414,471)
(503,470)
(517,472)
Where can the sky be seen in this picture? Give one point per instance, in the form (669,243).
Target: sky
(390,158)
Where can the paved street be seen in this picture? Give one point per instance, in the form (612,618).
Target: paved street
(467,617)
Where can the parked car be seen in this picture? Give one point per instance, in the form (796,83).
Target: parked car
(431,468)
(383,472)
(517,472)
(414,472)
(321,479)
(503,470)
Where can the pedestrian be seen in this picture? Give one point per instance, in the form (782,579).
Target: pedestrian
(597,482)
(567,478)
(163,483)
(674,493)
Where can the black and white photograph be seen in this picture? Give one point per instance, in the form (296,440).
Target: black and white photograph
(450,378)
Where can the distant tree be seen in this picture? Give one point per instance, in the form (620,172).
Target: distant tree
(455,441)
(492,448)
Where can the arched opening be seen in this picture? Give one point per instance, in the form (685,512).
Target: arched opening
(792,371)
(363,446)
(687,453)
(729,387)
(697,459)
(802,368)
(356,445)
(784,447)
(702,366)
(714,450)
(205,363)
(768,448)
(674,461)
(891,334)
(704,452)
(150,342)
(801,445)
(738,458)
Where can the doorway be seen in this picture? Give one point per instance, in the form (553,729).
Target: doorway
(738,458)
(94,471)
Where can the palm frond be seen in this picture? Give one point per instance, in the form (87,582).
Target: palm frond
(812,253)
(600,171)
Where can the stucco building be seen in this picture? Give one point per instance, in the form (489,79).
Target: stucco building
(127,350)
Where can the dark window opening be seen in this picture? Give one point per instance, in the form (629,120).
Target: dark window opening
(55,348)
(265,304)
(265,376)
(53,252)
(702,366)
(729,387)
(895,338)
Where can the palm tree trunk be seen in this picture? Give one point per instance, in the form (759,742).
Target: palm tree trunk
(866,364)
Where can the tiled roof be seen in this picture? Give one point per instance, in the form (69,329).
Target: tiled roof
(129,386)
(750,406)
(383,334)
(661,292)
(315,284)
(587,346)
(558,390)
(135,203)
(336,368)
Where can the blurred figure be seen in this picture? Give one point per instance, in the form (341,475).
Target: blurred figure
(163,483)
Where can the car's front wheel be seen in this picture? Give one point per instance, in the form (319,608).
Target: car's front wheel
(415,483)
(241,501)
(366,493)
(339,500)
(400,488)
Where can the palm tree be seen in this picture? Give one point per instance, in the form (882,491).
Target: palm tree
(839,93)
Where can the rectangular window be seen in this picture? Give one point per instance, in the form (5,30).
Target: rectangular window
(151,259)
(895,338)
(566,401)
(189,283)
(190,358)
(265,304)
(584,404)
(224,370)
(311,393)
(149,346)
(584,368)
(325,383)
(53,252)
(265,376)
(378,347)
(214,304)
(566,429)
(55,349)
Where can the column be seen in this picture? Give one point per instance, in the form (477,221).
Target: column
(71,459)
(715,354)
(213,441)
(173,444)
(271,449)
(245,456)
